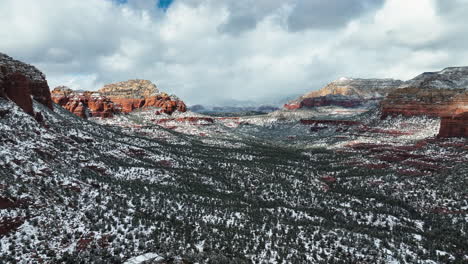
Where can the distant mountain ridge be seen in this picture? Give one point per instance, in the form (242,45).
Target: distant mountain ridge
(347,92)
(442,93)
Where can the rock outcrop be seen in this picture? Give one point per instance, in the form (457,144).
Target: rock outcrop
(21,82)
(134,94)
(346,92)
(456,126)
(84,104)
(438,94)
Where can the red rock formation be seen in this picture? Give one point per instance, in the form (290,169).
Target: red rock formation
(292,105)
(128,105)
(135,94)
(115,98)
(20,83)
(86,104)
(17,90)
(456,126)
(413,101)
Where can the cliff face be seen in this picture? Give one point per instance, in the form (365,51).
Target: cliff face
(439,94)
(346,92)
(134,94)
(19,82)
(456,126)
(84,104)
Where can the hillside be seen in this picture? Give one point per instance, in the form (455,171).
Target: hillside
(305,186)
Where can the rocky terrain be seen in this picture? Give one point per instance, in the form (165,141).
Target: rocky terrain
(330,184)
(347,92)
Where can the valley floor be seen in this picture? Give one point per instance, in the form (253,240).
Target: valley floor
(324,186)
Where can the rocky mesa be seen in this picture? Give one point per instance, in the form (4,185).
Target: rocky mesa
(346,92)
(21,83)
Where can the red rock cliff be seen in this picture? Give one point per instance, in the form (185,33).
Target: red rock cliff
(84,104)
(21,82)
(454,126)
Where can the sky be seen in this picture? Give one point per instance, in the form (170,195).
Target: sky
(223,51)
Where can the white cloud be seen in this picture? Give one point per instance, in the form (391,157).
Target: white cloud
(212,50)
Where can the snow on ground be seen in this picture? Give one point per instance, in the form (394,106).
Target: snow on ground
(143,258)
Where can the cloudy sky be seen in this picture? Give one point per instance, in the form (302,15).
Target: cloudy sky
(211,51)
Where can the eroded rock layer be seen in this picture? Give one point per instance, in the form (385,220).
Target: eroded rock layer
(346,92)
(84,104)
(439,94)
(456,126)
(21,82)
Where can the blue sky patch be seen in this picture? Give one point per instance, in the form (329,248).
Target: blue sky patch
(163,4)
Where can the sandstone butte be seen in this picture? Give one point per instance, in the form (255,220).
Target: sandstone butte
(116,98)
(21,83)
